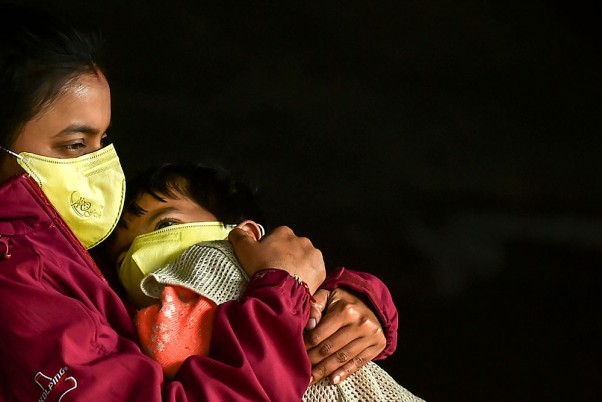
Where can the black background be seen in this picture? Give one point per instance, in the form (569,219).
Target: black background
(449,147)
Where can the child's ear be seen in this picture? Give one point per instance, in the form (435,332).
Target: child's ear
(253,228)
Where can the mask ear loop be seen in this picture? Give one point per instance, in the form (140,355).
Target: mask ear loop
(261,229)
(12,153)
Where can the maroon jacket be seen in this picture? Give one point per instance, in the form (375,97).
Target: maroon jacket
(66,334)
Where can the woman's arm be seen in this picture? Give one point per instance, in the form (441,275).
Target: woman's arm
(350,333)
(360,324)
(54,345)
(65,332)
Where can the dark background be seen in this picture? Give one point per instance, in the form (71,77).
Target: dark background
(449,147)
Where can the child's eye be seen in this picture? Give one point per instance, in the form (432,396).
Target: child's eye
(165,223)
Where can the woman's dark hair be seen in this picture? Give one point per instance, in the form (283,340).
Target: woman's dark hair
(39,55)
(213,188)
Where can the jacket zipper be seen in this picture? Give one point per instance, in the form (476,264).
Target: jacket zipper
(5,250)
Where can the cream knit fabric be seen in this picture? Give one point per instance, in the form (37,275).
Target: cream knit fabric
(211,269)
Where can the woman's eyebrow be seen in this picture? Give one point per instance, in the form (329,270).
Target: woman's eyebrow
(78,128)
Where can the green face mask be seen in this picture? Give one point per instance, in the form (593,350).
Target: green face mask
(87,191)
(155,250)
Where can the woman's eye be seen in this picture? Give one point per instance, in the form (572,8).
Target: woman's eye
(164,224)
(75,146)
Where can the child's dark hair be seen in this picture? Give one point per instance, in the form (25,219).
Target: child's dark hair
(39,55)
(213,188)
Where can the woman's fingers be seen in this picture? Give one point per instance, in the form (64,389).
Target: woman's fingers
(348,336)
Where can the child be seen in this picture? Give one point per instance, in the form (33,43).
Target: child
(170,247)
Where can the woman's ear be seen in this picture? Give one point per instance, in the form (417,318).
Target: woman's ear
(253,228)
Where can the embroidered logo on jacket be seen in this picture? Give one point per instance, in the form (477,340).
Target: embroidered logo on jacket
(55,388)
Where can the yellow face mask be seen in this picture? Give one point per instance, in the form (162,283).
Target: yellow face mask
(155,250)
(87,191)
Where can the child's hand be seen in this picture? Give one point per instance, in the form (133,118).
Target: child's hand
(281,249)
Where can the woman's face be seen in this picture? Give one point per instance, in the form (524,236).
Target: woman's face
(74,124)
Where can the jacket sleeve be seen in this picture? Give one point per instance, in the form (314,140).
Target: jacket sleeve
(250,342)
(55,345)
(376,294)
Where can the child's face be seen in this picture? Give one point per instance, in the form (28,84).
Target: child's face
(158,215)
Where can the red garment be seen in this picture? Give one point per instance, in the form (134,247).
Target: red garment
(66,334)
(178,327)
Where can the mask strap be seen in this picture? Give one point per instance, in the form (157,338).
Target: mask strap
(12,153)
(261,229)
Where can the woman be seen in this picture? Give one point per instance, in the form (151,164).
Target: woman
(65,331)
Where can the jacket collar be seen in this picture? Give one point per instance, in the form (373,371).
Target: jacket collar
(23,206)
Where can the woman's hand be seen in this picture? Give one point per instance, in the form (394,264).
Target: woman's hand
(281,249)
(347,336)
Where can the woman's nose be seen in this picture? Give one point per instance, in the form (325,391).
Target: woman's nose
(97,142)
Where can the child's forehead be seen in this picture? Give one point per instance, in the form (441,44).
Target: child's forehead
(149,207)
(149,202)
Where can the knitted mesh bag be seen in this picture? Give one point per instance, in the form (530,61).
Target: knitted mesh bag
(211,269)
